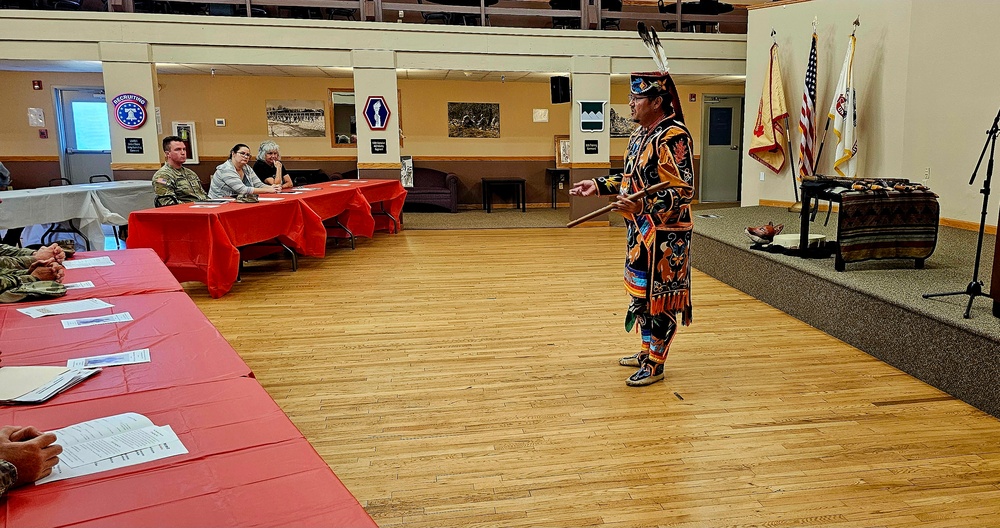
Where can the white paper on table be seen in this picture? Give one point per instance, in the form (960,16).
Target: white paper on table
(103,428)
(62,382)
(111,360)
(340,185)
(79,285)
(91,321)
(307,188)
(359,181)
(290,192)
(149,454)
(17,381)
(270,199)
(77,455)
(63,308)
(205,206)
(94,262)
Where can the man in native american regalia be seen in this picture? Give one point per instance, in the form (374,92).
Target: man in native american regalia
(657,264)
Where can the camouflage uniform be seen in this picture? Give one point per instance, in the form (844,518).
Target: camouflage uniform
(183,184)
(12,257)
(8,476)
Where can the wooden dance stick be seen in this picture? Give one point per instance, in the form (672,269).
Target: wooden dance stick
(632,197)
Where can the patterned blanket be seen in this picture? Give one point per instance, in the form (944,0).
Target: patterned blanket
(887,224)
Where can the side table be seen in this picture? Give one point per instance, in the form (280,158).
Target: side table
(490,183)
(556,177)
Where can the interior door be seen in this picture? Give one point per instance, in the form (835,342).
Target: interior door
(84,133)
(721,152)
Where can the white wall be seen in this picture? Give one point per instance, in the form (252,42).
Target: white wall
(953,98)
(928,81)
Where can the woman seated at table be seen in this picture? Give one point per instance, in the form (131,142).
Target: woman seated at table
(268,165)
(235,177)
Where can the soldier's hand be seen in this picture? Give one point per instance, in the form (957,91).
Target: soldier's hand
(52,251)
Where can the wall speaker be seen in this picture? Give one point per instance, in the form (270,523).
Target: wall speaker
(560,89)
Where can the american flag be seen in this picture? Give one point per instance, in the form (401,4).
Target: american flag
(807,125)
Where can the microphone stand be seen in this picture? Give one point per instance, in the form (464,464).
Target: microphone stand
(975,288)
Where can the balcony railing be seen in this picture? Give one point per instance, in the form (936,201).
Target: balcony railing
(665,15)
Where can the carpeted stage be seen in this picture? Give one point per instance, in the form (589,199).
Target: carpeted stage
(875,306)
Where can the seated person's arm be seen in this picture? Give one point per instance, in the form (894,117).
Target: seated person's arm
(260,187)
(16,263)
(14,251)
(26,455)
(280,176)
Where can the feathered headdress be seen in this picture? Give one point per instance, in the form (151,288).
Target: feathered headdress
(651,84)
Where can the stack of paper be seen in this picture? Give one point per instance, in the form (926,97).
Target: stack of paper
(110,443)
(37,384)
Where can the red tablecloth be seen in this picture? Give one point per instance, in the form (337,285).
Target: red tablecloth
(247,465)
(200,244)
(135,271)
(388,194)
(347,205)
(184,346)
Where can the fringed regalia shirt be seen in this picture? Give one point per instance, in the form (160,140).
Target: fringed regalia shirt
(658,264)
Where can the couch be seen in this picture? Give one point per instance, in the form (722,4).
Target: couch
(430,187)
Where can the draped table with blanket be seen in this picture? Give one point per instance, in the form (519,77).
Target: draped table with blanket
(878,219)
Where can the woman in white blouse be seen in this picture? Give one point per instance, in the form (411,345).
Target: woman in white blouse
(235,177)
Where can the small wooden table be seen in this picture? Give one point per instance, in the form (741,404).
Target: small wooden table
(490,183)
(557,176)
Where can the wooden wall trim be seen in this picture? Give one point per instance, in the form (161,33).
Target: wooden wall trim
(135,166)
(590,166)
(968,226)
(31,158)
(379,165)
(484,158)
(777,3)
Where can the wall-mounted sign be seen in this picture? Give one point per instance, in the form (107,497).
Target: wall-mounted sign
(133,145)
(378,146)
(377,112)
(592,116)
(590,146)
(130,110)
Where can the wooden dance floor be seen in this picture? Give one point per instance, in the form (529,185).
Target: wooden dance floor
(470,378)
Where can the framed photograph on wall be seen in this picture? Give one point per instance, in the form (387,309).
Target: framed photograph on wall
(563,152)
(185,131)
(621,122)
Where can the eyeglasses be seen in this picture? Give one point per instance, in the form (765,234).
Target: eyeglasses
(244,154)
(633,97)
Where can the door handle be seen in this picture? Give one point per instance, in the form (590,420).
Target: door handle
(734,147)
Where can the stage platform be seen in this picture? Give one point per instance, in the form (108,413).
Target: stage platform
(875,306)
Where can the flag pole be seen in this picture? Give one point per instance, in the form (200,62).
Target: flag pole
(797,206)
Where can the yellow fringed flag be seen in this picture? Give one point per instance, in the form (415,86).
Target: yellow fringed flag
(768,142)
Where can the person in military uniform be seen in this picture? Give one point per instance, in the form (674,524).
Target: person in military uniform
(12,257)
(26,455)
(173,182)
(659,225)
